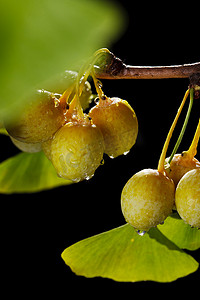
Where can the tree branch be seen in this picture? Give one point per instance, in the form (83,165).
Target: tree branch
(116,69)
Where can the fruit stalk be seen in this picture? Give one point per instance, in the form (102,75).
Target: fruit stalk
(184,126)
(99,55)
(192,151)
(83,74)
(161,162)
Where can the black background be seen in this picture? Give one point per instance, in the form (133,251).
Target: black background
(36,228)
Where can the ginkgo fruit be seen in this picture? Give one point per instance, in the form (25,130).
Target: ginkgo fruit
(118,123)
(180,165)
(147,199)
(27,147)
(184,162)
(46,147)
(187,198)
(77,150)
(39,119)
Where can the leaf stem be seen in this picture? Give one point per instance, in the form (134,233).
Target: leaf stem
(161,162)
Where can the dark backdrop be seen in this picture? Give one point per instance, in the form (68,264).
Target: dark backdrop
(36,228)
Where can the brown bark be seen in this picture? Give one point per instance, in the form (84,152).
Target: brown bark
(116,69)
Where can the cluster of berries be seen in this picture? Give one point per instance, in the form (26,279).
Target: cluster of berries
(149,196)
(185,172)
(74,141)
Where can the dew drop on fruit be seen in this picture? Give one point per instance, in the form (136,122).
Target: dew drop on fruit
(126,152)
(88,177)
(96,100)
(141,232)
(76,180)
(56,102)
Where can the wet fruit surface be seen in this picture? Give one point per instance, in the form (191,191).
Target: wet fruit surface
(188,198)
(180,165)
(147,199)
(77,151)
(118,123)
(27,147)
(39,120)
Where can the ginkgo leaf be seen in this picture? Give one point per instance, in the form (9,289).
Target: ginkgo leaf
(121,254)
(3,131)
(180,233)
(40,39)
(27,173)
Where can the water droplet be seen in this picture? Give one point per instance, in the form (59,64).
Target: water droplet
(141,232)
(74,115)
(76,180)
(57,95)
(56,102)
(99,84)
(96,100)
(88,177)
(126,152)
(103,97)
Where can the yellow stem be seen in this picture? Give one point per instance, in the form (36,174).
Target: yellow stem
(98,86)
(161,163)
(75,105)
(76,108)
(192,151)
(66,94)
(89,68)
(81,79)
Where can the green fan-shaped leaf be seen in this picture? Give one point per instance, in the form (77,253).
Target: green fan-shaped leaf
(180,233)
(121,254)
(40,39)
(27,173)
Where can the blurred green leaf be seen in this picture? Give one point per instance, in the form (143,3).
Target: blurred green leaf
(40,39)
(180,233)
(27,173)
(121,254)
(3,131)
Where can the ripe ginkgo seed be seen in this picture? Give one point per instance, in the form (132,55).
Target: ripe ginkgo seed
(118,123)
(147,199)
(77,151)
(180,165)
(187,198)
(38,120)
(27,147)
